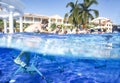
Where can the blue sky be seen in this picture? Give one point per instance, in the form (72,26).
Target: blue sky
(107,8)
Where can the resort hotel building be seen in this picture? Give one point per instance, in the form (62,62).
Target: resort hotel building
(100,22)
(37,18)
(13,10)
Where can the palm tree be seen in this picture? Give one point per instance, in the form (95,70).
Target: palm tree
(86,14)
(53,26)
(81,13)
(72,16)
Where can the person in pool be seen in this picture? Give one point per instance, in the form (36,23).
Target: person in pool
(23,59)
(26,63)
(26,58)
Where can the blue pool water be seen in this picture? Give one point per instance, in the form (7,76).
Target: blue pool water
(82,58)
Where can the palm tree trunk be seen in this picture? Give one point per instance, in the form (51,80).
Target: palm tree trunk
(84,26)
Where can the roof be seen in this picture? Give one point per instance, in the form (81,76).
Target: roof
(56,16)
(100,19)
(13,5)
(35,15)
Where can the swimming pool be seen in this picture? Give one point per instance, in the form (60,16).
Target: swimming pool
(83,58)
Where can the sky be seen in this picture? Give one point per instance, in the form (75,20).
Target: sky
(107,8)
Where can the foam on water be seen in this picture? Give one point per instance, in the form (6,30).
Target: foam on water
(100,46)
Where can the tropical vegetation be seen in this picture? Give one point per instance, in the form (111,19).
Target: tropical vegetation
(53,26)
(81,13)
(1,25)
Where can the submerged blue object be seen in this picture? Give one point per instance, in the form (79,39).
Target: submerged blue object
(63,58)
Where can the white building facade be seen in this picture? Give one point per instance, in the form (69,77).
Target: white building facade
(37,18)
(103,23)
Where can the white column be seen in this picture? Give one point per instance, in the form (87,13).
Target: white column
(21,24)
(56,21)
(49,20)
(5,25)
(41,20)
(33,19)
(62,21)
(11,22)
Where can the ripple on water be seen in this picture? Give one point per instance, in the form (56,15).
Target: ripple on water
(65,68)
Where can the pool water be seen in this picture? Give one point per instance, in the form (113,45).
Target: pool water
(83,58)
